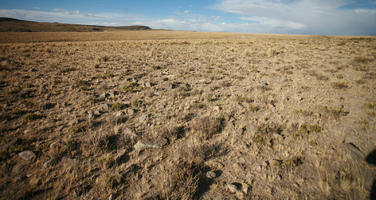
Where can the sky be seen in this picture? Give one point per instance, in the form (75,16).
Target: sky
(317,17)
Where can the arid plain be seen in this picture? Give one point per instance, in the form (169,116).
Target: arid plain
(186,115)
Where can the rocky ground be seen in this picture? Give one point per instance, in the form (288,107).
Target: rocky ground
(251,118)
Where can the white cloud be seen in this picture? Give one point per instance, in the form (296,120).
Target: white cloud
(74,17)
(303,16)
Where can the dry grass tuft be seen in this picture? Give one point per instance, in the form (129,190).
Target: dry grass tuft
(208,126)
(340,85)
(129,87)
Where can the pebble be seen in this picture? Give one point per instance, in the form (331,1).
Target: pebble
(245,188)
(140,146)
(352,152)
(130,111)
(105,95)
(258,168)
(232,187)
(104,108)
(27,155)
(143,117)
(211,174)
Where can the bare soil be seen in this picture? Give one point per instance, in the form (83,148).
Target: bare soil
(235,117)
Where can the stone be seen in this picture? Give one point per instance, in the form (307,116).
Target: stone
(351,152)
(258,168)
(105,95)
(233,188)
(211,174)
(131,111)
(282,79)
(119,114)
(27,155)
(239,195)
(104,108)
(97,113)
(141,146)
(143,117)
(245,188)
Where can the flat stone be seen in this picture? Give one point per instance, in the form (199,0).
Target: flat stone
(140,146)
(27,155)
(350,151)
(211,174)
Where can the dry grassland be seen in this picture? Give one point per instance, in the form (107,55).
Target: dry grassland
(184,115)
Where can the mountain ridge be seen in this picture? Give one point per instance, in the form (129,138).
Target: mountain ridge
(18,25)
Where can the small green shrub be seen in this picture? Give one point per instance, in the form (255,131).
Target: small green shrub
(129,87)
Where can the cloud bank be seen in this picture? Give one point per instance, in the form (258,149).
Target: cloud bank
(329,17)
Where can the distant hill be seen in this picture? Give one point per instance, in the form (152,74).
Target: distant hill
(16,25)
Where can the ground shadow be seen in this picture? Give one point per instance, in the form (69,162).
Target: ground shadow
(371,159)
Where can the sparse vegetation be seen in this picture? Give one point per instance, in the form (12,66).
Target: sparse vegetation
(340,85)
(308,128)
(32,116)
(208,126)
(129,87)
(119,106)
(77,128)
(214,117)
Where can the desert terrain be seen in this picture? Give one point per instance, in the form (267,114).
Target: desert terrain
(186,115)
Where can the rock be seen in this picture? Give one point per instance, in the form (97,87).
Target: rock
(245,188)
(233,187)
(105,95)
(239,195)
(265,163)
(111,197)
(119,114)
(350,151)
(282,79)
(258,168)
(217,108)
(143,117)
(27,155)
(104,108)
(131,111)
(211,174)
(140,146)
(97,113)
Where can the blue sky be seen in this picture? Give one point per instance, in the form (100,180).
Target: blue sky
(322,17)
